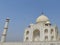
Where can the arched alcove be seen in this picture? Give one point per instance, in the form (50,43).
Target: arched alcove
(52,31)
(46,31)
(36,35)
(27,32)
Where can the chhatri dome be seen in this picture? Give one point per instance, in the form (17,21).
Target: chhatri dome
(41,18)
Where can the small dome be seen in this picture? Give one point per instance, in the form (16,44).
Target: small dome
(48,22)
(42,18)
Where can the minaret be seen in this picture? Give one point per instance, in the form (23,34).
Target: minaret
(3,38)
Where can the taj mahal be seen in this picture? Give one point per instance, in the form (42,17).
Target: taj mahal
(40,33)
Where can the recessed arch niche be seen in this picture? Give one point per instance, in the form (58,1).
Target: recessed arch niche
(36,35)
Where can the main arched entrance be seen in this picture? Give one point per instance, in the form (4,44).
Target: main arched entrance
(36,35)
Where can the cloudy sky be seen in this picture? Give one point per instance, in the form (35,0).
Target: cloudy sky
(24,12)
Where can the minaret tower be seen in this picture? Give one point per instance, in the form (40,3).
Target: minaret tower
(3,38)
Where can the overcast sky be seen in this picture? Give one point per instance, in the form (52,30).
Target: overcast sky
(24,12)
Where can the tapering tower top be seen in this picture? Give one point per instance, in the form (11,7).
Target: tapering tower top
(7,19)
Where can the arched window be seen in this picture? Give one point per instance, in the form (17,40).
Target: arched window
(52,31)
(46,37)
(26,38)
(46,31)
(27,32)
(52,37)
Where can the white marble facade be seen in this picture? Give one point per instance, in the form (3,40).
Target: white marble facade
(42,30)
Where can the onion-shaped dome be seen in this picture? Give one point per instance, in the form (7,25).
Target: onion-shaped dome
(42,18)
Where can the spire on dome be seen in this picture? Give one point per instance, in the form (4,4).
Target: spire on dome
(42,13)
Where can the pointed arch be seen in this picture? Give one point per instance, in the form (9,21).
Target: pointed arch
(36,35)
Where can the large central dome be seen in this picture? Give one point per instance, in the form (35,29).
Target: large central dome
(42,18)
